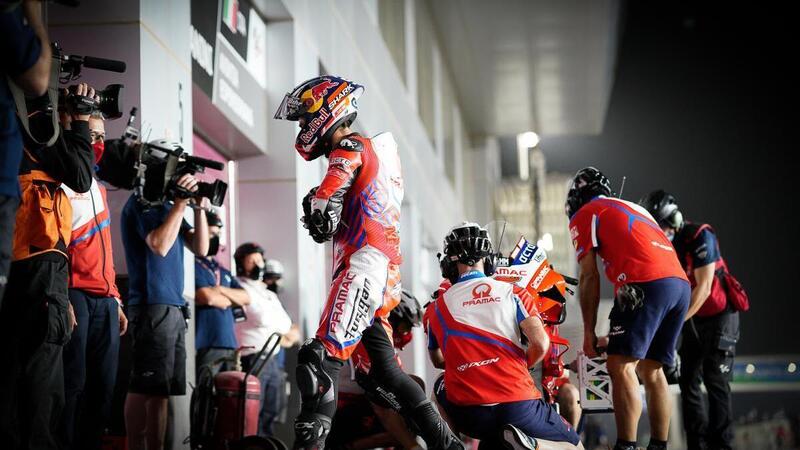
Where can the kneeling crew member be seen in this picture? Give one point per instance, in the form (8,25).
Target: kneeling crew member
(477,331)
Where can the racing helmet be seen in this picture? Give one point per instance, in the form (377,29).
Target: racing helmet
(664,209)
(408,310)
(324,103)
(466,243)
(587,184)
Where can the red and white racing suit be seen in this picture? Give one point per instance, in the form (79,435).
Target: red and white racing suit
(364,175)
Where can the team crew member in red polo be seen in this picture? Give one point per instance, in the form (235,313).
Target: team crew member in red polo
(652,296)
(92,353)
(476,330)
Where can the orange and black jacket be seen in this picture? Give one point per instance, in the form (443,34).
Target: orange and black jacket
(44,217)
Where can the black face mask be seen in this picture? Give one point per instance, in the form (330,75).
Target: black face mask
(256,273)
(275,287)
(213,246)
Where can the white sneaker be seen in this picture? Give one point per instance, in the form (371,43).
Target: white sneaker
(515,439)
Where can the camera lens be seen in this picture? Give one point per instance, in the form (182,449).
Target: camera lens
(214,192)
(110,103)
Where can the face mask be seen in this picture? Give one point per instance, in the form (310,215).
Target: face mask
(401,339)
(213,246)
(275,287)
(99,147)
(256,273)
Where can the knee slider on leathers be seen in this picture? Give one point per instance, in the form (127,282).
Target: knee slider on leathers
(315,373)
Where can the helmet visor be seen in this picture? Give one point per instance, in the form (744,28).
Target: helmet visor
(291,108)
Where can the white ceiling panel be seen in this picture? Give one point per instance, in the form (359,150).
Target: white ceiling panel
(538,65)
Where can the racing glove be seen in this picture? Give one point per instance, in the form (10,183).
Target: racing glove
(321,219)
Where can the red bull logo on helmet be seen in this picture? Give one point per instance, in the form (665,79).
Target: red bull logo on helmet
(313,97)
(307,136)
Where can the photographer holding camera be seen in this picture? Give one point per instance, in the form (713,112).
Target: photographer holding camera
(36,319)
(26,56)
(91,356)
(154,236)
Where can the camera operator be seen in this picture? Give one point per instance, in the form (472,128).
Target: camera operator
(216,294)
(91,355)
(26,56)
(37,319)
(153,237)
(265,316)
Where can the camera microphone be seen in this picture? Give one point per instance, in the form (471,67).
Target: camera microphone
(110,65)
(204,162)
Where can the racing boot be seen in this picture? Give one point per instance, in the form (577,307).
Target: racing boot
(433,428)
(515,439)
(311,431)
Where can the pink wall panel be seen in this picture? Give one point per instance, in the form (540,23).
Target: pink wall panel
(203,150)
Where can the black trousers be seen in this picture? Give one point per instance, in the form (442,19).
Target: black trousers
(385,372)
(707,350)
(90,370)
(8,217)
(34,327)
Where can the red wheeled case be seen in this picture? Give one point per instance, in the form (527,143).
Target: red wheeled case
(238,405)
(225,407)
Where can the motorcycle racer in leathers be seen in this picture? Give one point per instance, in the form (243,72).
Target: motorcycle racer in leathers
(357,205)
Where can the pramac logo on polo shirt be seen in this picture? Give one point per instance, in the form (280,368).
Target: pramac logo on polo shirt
(481,294)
